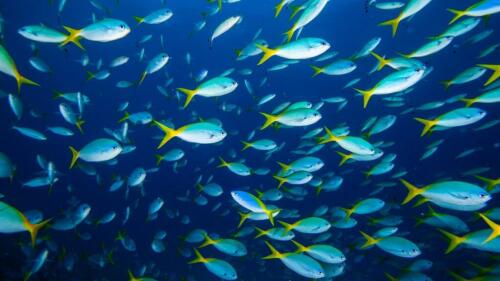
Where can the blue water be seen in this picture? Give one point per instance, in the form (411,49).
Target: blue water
(346,24)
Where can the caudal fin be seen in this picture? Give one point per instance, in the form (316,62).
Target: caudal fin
(290,32)
(495,228)
(199,258)
(169,133)
(317,70)
(125,117)
(73,37)
(428,124)
(281,180)
(139,20)
(267,53)
(458,14)
(468,102)
(243,218)
(23,80)
(270,119)
(381,61)
(344,156)
(189,95)
(366,95)
(455,241)
(413,191)
(274,253)
(74,156)
(394,23)
(246,145)
(370,241)
(278,8)
(159,158)
(34,228)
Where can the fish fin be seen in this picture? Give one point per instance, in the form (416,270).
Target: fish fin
(491,183)
(268,53)
(73,37)
(270,119)
(428,124)
(243,218)
(281,180)
(261,232)
(189,95)
(74,156)
(300,248)
(420,202)
(34,228)
(413,191)
(199,258)
(79,124)
(457,14)
(390,277)
(468,102)
(131,276)
(270,215)
(494,76)
(455,240)
(90,75)
(278,8)
(223,163)
(169,133)
(208,241)
(287,226)
(295,10)
(495,228)
(274,253)
(143,76)
(381,61)
(246,145)
(367,94)
(56,94)
(348,212)
(237,52)
(139,20)
(370,241)
(457,277)
(159,158)
(394,23)
(317,70)
(318,190)
(447,84)
(284,166)
(23,80)
(125,117)
(290,32)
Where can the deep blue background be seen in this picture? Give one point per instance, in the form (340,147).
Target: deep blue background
(346,24)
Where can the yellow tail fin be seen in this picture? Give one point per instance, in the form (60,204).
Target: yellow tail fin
(270,215)
(317,70)
(495,228)
(281,180)
(490,183)
(243,218)
(390,277)
(469,102)
(260,232)
(447,84)
(495,75)
(208,241)
(159,158)
(139,20)
(189,95)
(199,258)
(413,191)
(79,124)
(34,228)
(169,133)
(23,80)
(284,166)
(74,156)
(455,241)
(73,37)
(290,32)
(458,14)
(126,115)
(367,94)
(274,253)
(428,124)
(295,10)
(246,145)
(300,248)
(457,277)
(370,241)
(348,212)
(394,23)
(143,76)
(344,156)
(287,226)
(223,163)
(270,119)
(268,53)
(278,8)
(381,61)
(131,276)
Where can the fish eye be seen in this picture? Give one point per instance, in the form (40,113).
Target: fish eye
(122,26)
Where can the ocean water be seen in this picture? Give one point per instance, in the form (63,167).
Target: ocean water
(82,253)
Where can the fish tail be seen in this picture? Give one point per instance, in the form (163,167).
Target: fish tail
(295,10)
(56,94)
(169,133)
(381,61)
(243,218)
(455,240)
(317,70)
(495,68)
(287,226)
(74,156)
(26,276)
(246,145)
(491,183)
(90,75)
(189,95)
(413,191)
(290,32)
(208,241)
(238,52)
(268,53)
(457,14)
(270,119)
(131,276)
(394,23)
(274,253)
(367,94)
(370,241)
(159,158)
(223,163)
(348,212)
(281,180)
(428,124)
(270,215)
(143,76)
(447,84)
(300,248)
(260,232)
(73,37)
(79,124)
(390,277)
(468,102)
(278,8)
(23,80)
(34,228)
(318,190)
(284,167)
(125,117)
(139,20)
(495,228)
(456,276)
(199,258)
